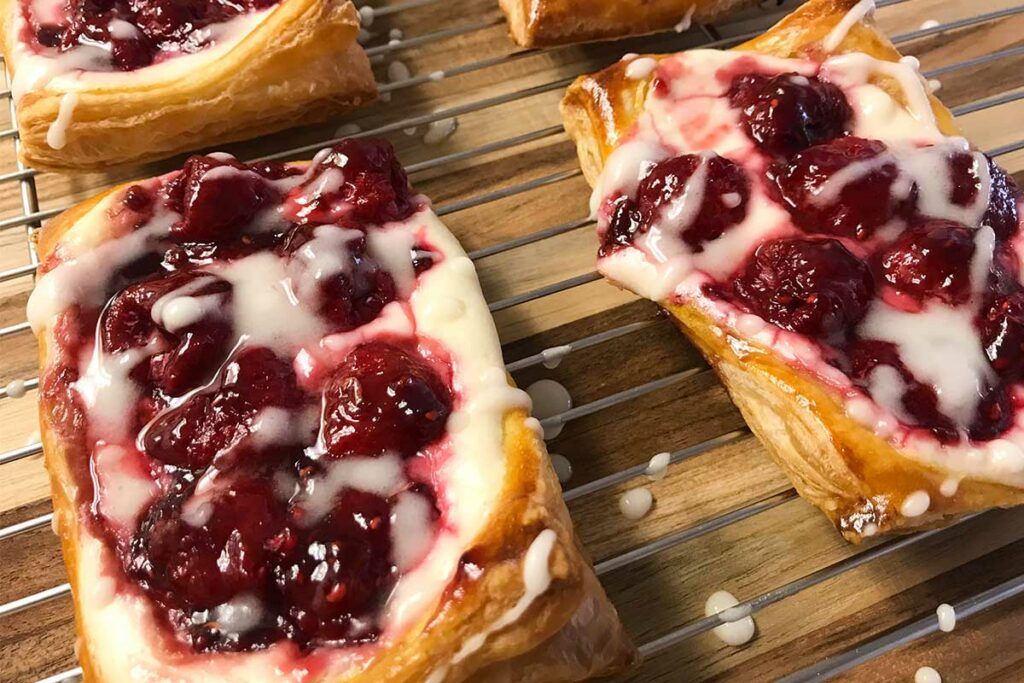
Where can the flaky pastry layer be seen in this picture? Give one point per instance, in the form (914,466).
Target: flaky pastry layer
(569,632)
(301,63)
(855,477)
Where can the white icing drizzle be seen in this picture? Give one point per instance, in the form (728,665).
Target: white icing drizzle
(237,616)
(927,674)
(440,130)
(392,248)
(657,468)
(553,357)
(739,627)
(57,133)
(949,486)
(382,476)
(928,24)
(687,20)
(106,389)
(15,388)
(562,467)
(636,503)
(854,16)
(125,493)
(411,530)
(121,29)
(641,67)
(549,399)
(947,617)
(536,580)
(915,504)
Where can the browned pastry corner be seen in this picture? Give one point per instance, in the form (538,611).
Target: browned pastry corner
(302,63)
(569,631)
(855,477)
(539,23)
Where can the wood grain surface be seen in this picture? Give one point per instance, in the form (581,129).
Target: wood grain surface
(519,190)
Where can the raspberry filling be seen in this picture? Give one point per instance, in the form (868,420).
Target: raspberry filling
(253,500)
(118,35)
(883,260)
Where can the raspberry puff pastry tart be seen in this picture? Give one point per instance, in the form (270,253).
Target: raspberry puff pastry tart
(536,23)
(283,445)
(111,82)
(848,264)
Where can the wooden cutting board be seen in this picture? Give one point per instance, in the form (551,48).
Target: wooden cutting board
(508,183)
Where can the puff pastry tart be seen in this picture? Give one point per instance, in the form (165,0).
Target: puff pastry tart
(283,445)
(535,23)
(850,266)
(110,82)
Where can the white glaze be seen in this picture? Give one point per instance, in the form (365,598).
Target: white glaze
(412,530)
(635,503)
(440,130)
(657,467)
(641,67)
(15,388)
(947,617)
(549,399)
(927,674)
(552,357)
(740,627)
(855,15)
(915,504)
(57,133)
(687,20)
(928,24)
(562,467)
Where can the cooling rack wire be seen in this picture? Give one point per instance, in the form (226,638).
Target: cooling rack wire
(855,649)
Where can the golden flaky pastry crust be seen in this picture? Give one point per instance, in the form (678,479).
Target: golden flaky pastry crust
(301,63)
(535,23)
(855,477)
(570,632)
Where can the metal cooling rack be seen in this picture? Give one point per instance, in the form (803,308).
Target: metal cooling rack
(31,216)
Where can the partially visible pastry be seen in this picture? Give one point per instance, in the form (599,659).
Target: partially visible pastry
(538,23)
(99,84)
(283,445)
(850,266)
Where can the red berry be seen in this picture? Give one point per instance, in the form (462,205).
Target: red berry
(383,398)
(823,196)
(814,287)
(360,180)
(931,261)
(723,189)
(787,113)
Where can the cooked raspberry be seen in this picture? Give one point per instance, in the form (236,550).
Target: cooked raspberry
(932,260)
(383,398)
(624,225)
(994,415)
(189,355)
(217,198)
(814,287)
(339,570)
(357,293)
(1003,214)
(788,113)
(723,190)
(211,421)
(1002,334)
(360,181)
(200,566)
(137,198)
(919,401)
(821,198)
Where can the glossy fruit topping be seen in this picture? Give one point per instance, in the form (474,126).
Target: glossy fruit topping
(1002,334)
(667,193)
(1003,213)
(847,187)
(211,421)
(812,286)
(359,182)
(918,402)
(383,398)
(788,113)
(352,294)
(930,261)
(138,31)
